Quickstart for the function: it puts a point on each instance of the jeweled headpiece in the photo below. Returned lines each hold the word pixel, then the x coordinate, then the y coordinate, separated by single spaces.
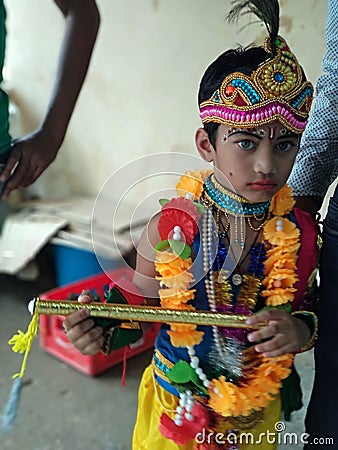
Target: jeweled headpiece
pixel 276 90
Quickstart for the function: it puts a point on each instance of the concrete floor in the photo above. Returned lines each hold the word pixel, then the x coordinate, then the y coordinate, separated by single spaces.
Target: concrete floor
pixel 60 408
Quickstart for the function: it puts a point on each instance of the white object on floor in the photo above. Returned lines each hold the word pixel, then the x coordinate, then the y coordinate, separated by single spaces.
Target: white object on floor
pixel 23 236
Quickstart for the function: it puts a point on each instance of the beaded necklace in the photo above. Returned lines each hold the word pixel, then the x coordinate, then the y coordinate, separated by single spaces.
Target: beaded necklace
pixel 230 297
pixel 229 202
pixel 221 199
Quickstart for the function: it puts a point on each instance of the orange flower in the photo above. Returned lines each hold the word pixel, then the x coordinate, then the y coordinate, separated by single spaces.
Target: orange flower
pixel 186 338
pixel 255 392
pixel 280 278
pixel 289 231
pixel 241 404
pixel 276 261
pixel 167 303
pixel 254 397
pixel 169 264
pixel 282 202
pixel 183 327
pixel 268 375
pixel 223 400
pixel 282 251
pixel 281 361
pixel 191 182
pixel 180 282
pixel 175 296
pixel 278 296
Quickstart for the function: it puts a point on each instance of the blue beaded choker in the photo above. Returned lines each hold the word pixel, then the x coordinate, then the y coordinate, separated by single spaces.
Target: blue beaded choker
pixel 232 203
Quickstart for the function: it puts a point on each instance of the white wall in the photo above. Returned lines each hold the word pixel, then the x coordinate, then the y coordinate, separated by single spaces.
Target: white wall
pixel 140 94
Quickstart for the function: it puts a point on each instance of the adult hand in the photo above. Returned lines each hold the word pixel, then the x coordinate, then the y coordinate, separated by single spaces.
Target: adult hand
pixel 33 153
pixel 81 330
pixel 30 156
pixel 284 333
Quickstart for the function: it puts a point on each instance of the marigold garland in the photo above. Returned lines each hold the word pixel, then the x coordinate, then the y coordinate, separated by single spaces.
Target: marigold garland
pixel 191 183
pixel 282 239
pixel 258 390
pixel 173 270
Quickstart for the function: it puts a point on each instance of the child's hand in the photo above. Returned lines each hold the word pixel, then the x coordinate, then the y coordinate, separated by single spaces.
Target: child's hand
pixel 285 333
pixel 81 330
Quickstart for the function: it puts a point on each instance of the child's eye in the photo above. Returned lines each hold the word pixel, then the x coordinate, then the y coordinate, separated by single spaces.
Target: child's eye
pixel 246 144
pixel 285 146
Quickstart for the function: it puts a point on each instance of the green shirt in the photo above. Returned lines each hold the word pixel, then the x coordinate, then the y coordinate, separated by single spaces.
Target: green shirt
pixel 5 138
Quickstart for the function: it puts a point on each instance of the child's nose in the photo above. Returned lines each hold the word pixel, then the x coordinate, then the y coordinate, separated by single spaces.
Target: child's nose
pixel 264 161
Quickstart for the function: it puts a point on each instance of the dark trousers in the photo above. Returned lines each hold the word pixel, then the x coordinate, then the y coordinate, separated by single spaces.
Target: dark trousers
pixel 322 415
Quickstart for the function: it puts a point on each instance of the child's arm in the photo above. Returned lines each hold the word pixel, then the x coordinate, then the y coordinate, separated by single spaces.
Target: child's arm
pixel 82 331
pixel 284 332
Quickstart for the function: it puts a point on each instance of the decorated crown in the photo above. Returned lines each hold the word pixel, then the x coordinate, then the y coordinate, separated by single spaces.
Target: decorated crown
pixel 276 90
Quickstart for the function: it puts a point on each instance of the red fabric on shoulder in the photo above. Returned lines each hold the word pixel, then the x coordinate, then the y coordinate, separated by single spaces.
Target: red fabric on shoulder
pixel 307 258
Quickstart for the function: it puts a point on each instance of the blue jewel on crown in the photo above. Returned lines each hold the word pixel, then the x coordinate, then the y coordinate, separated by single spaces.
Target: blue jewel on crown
pixel 217 97
pixel 279 77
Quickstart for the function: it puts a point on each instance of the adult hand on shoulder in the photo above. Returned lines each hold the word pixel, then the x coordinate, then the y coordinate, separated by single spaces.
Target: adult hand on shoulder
pixel 30 156
pixel 282 333
pixel 81 330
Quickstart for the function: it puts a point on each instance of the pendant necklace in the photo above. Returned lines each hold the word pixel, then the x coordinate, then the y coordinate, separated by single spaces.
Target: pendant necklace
pixel 236 277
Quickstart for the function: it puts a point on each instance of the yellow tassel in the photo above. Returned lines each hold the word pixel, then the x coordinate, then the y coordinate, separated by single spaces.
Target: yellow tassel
pixel 22 342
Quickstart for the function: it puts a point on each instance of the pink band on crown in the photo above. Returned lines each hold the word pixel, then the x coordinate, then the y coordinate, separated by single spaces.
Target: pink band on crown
pixel 256 116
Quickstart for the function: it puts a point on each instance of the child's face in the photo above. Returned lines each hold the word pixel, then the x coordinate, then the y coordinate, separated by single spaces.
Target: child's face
pixel 254 162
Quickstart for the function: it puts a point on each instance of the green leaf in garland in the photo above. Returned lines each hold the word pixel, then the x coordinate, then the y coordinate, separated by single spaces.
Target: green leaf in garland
pixel 180 248
pixel 200 208
pixel 183 374
pixel 163 245
pixel 163 201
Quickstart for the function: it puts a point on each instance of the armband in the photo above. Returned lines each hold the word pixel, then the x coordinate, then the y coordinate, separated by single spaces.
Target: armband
pixel 117 333
pixel 311 320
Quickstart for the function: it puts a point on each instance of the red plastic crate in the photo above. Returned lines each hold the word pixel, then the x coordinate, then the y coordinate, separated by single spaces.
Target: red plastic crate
pixel 54 341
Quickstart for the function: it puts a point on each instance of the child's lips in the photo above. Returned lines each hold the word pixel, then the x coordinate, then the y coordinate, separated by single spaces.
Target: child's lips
pixel 263 185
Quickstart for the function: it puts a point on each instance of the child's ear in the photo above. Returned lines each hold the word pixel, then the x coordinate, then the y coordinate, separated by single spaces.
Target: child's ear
pixel 204 146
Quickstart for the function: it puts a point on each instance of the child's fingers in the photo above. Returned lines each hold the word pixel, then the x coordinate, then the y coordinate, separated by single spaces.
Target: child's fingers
pixel 275 347
pixel 278 352
pixel 272 344
pixel 269 331
pixel 266 315
pixel 89 343
pixel 75 318
pixel 85 296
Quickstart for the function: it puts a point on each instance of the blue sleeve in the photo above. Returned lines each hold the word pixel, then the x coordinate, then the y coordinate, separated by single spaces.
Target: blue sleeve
pixel 316 164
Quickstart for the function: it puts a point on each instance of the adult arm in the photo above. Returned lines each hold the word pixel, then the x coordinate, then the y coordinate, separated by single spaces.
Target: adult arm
pixel 316 165
pixel 33 153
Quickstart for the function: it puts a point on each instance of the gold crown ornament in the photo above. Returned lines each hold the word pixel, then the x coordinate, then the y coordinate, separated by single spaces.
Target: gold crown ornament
pixel 276 90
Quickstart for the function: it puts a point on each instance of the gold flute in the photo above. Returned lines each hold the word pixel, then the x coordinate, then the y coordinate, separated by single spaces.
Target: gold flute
pixel 142 313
